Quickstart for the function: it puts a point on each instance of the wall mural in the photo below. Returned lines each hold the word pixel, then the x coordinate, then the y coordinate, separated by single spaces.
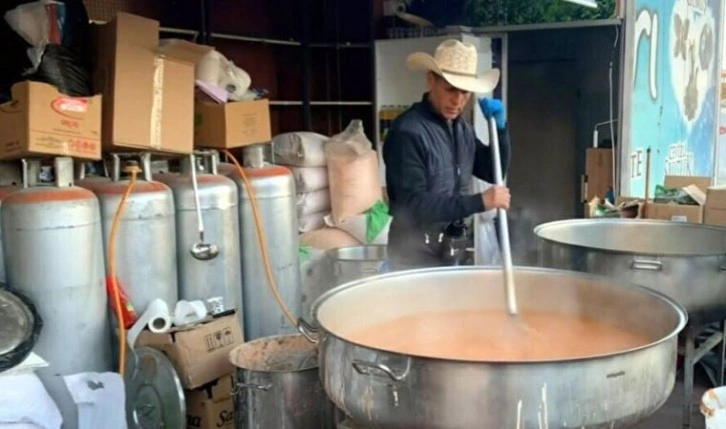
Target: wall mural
pixel 675 92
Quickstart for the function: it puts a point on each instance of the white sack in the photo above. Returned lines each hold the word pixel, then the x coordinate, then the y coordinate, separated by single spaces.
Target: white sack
pixel 215 69
pixel 301 149
pixel 313 202
pixel 308 179
pixel 312 221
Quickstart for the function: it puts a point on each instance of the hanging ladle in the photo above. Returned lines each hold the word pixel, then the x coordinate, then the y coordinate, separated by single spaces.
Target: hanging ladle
pixel 200 250
pixel 503 225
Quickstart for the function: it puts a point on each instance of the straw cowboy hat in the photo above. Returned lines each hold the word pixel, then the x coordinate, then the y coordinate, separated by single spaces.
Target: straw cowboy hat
pixel 456 62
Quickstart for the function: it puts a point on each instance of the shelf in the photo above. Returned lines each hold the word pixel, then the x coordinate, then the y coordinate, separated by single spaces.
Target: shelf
pixel 320 103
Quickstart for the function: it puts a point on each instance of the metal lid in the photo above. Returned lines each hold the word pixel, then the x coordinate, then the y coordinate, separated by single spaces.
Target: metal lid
pixel 154 394
pixel 16 322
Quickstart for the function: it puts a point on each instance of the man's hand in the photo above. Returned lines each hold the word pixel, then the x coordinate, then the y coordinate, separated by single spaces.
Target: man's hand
pixel 493 108
pixel 496 197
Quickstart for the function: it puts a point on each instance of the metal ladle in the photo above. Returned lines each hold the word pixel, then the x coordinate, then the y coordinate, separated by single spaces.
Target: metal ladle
pixel 200 250
pixel 503 225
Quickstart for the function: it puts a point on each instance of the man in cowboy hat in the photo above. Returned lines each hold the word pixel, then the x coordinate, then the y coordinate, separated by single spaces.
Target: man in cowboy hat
pixel 431 153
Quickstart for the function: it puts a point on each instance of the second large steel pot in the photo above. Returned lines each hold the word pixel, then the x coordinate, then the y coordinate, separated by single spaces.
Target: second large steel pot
pixel 684 261
pixel 383 389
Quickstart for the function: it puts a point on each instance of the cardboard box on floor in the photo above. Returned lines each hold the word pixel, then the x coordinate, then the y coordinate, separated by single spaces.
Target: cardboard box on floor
pixel 148 88
pixel 199 354
pixel 211 406
pixel 231 125
pixel 696 186
pixel 40 121
pixel 598 178
pixel 715 208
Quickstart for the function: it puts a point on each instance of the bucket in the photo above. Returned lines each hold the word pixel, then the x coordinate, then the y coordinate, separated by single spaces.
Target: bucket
pixel 712 408
pixel 357 262
pixel 277 385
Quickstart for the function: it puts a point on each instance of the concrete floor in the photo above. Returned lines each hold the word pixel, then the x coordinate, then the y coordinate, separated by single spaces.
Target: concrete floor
pixel 670 415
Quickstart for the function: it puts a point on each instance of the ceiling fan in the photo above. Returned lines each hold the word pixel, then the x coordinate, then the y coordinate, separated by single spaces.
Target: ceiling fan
pixel 586 3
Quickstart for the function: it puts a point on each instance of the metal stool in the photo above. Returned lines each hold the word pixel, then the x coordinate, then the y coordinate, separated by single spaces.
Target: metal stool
pixel 692 356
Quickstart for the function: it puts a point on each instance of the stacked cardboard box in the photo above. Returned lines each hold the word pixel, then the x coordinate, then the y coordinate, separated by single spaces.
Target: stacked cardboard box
pixel 145 102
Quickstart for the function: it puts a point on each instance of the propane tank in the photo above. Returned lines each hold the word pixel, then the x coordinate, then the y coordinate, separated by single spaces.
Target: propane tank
pixel 11 180
pixel 274 188
pixel 52 237
pixel 89 178
pixel 146 240
pixel 202 277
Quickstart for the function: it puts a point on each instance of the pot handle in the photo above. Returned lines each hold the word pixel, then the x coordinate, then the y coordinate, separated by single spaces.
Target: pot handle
pixel 646 265
pixel 367 368
pixel 308 331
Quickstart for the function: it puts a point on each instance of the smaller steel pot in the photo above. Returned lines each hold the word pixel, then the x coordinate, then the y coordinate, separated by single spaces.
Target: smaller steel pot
pixel 277 385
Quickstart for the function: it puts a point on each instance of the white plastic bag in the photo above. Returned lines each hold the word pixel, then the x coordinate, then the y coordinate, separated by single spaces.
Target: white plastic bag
pixel 486 243
pixel 300 149
pixel 308 179
pixel 313 202
pixel 24 399
pixel 352 172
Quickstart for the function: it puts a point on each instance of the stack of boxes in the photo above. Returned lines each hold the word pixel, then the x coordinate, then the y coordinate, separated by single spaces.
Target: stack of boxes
pixel 145 102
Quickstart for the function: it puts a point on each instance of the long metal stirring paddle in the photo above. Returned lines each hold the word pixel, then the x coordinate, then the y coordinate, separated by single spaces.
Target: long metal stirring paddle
pixel 503 224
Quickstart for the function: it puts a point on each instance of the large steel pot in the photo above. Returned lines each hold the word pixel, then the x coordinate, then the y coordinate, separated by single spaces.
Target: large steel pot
pixel 277 385
pixel 684 261
pixel 383 389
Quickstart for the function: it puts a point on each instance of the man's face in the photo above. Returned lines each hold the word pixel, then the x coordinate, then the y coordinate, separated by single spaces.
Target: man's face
pixel 447 100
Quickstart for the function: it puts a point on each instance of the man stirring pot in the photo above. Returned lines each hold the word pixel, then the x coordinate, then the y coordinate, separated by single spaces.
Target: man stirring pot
pixel 431 153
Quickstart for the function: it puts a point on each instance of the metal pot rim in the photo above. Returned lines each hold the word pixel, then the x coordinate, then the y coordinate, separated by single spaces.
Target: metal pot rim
pixel 334 253
pixel 541 227
pixel 680 310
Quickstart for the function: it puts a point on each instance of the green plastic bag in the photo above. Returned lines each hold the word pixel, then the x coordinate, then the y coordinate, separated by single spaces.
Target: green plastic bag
pixel 377 219
pixel 303 252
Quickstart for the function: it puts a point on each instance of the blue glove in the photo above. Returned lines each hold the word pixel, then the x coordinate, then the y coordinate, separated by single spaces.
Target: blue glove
pixel 491 107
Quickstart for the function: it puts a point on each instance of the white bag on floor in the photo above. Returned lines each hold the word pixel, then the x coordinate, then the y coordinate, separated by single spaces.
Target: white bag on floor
pixel 300 149
pixel 313 202
pixel 312 221
pixel 308 179
pixel 24 399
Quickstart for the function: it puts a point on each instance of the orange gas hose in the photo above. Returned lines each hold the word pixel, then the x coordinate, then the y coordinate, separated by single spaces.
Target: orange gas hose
pixel 262 241
pixel 111 261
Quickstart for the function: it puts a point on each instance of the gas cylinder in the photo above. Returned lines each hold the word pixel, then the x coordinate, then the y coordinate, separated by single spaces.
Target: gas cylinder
pixel 10 181
pixel 146 240
pixel 52 237
pixel 86 176
pixel 207 276
pixel 274 188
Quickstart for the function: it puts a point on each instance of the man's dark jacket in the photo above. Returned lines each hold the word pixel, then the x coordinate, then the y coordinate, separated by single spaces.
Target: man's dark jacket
pixel 429 166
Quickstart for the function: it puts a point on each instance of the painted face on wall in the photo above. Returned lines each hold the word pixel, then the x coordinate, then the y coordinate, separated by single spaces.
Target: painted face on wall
pixel 447 100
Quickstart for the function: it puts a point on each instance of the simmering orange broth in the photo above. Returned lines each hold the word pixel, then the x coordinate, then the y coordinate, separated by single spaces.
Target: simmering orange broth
pixel 494 336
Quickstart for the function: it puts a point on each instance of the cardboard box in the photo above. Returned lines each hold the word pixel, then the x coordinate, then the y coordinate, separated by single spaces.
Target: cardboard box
pixel 199 354
pixel 148 88
pixel 696 186
pixel 41 121
pixel 715 208
pixel 598 178
pixel 231 125
pixel 211 406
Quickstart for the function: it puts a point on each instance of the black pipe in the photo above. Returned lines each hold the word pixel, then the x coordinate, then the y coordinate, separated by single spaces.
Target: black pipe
pixel 306 65
pixel 205 24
